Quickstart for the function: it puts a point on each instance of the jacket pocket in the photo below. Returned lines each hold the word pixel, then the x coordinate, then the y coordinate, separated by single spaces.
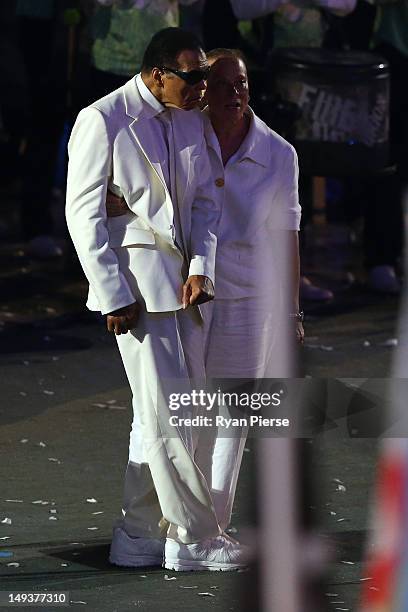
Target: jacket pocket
pixel 129 236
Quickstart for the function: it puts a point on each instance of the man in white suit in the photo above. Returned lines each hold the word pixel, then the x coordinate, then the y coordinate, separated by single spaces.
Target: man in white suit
pixel 147 271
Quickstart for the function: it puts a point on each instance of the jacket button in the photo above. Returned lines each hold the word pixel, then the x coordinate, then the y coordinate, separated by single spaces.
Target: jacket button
pixel 219 182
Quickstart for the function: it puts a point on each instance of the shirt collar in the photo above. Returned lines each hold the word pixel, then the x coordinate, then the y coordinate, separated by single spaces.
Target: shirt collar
pixel 154 107
pixel 253 147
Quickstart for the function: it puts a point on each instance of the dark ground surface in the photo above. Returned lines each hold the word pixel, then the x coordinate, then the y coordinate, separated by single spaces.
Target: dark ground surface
pixel 65 416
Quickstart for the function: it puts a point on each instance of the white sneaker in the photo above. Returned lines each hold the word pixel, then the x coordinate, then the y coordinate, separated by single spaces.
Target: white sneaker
pixel 214 554
pixel 135 552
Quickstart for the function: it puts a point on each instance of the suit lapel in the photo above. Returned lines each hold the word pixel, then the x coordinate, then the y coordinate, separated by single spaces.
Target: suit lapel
pixel 140 127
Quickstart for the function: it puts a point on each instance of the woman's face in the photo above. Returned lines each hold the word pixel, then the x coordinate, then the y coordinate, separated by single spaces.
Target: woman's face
pixel 227 92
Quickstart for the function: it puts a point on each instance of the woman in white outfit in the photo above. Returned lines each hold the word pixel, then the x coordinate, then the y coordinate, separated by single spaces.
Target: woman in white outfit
pixel 257 258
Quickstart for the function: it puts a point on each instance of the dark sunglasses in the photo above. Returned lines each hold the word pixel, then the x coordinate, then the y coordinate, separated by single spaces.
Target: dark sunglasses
pixel 191 78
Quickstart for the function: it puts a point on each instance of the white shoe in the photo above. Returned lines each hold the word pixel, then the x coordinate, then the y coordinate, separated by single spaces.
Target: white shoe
pixel 383 279
pixel 135 552
pixel 214 554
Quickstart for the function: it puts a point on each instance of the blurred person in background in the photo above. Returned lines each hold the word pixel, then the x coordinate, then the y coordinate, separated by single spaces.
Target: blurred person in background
pixel 121 30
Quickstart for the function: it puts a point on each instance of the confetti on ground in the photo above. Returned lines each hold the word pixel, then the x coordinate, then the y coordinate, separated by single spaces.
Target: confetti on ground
pixel 206 594
pixel 214 587
pixel 332 594
pixel 42 444
pixel 99 512
pixel 13 564
pixel 53 511
pixel 338 480
pixel 232 530
pixel 366 343
pixel 142 576
pixel 341 520
pixel 111 402
pixel 389 342
pixel 117 407
pixel 47 392
pixel 92 500
pixel 333 513
pixel 5 538
pixel 23 393
pixel 78 602
pixel 364 579
pixel 247 450
pixel 99 405
pixel 341 488
pixel 52 518
pixel 373 589
pixel 343 609
pixel 24 440
pixel 54 460
pixel 348 562
pixel 92 528
pixel 166 577
pixel 14 501
pixel 188 587
pixel 64 564
pixel 41 502
pixel 6 521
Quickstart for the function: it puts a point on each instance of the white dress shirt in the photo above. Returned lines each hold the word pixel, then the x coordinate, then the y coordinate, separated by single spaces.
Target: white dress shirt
pixel 258 193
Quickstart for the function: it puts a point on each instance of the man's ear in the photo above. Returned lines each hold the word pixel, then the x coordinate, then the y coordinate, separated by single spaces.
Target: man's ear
pixel 157 76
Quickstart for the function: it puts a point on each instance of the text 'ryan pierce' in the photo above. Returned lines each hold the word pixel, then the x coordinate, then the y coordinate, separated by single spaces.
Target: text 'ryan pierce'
pixel 253 420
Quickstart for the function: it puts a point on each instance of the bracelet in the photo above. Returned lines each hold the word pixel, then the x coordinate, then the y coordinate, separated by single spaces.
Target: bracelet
pixel 298 316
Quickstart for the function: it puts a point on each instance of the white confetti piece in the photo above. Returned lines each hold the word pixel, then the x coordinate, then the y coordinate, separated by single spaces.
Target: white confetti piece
pixel 166 577
pixel 389 342
pixel 247 450
pixel 99 405
pixel 331 594
pixel 366 343
pixel 41 502
pixel 111 402
pixel 338 480
pixel 52 518
pixel 6 521
pixel 53 511
pixel 14 501
pixel 187 587
pixel 47 392
pixel 78 602
pixel 64 564
pixel 54 460
pixel 206 594
pixel 99 512
pixel 5 538
pixel 92 500
pixel 42 444
pixel 142 576
pixel 92 528
pixel 341 520
pixel 232 530
pixel 117 407
pixel 343 609
pixel 348 562
pixel 364 579
pixel 373 589
pixel 23 393
pixel 24 440
pixel 333 513
pixel 341 488
pixel 13 564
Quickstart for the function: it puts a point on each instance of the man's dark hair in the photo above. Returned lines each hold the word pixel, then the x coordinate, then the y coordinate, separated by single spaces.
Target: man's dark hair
pixel 165 46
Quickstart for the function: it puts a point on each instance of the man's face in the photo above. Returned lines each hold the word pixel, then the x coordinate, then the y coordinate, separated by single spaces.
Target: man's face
pixel 227 90
pixel 178 93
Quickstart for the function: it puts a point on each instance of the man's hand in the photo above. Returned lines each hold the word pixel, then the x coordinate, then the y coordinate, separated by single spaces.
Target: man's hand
pixel 196 290
pixel 300 333
pixel 115 206
pixel 123 319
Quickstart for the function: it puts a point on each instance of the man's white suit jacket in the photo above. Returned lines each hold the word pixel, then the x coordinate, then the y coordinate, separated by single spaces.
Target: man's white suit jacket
pixel 111 144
